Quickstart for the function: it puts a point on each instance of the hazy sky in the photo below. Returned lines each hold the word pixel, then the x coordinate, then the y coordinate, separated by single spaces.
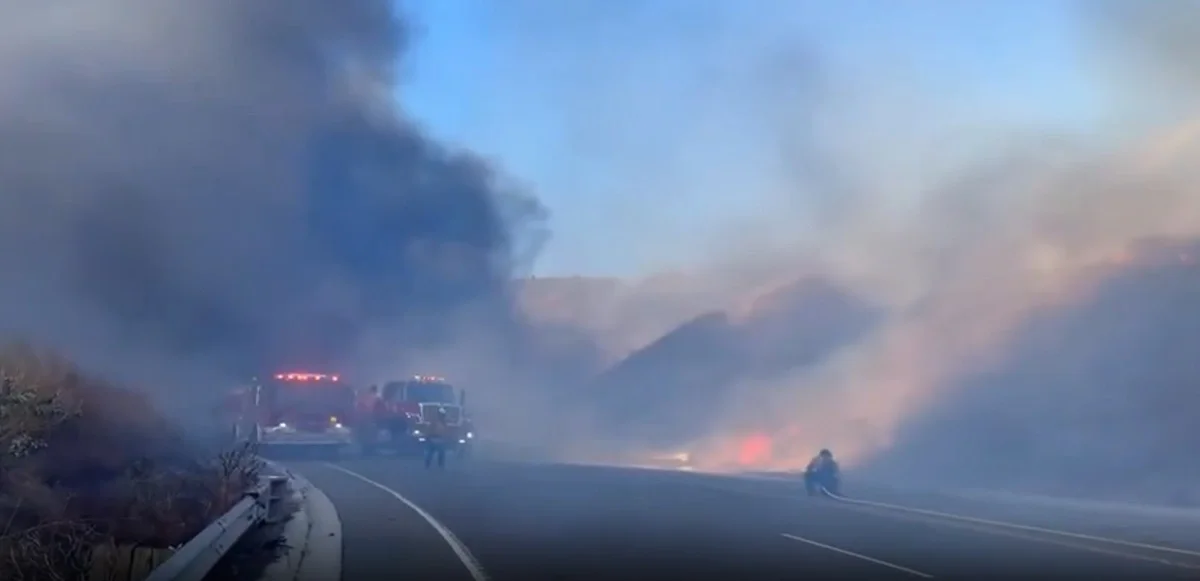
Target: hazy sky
pixel 648 127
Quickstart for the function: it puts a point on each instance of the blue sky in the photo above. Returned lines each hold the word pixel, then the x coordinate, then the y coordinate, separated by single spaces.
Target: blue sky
pixel 647 126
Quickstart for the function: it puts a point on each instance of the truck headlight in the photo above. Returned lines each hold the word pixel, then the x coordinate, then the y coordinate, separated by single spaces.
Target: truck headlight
pixel 470 435
pixel 416 432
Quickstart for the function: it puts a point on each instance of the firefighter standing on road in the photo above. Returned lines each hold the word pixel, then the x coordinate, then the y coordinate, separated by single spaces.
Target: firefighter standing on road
pixel 435 439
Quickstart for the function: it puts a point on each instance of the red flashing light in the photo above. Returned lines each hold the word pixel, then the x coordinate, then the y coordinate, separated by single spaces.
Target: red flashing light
pixel 306 377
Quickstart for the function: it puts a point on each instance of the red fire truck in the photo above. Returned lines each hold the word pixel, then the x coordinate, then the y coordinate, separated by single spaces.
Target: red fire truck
pixel 401 410
pixel 295 409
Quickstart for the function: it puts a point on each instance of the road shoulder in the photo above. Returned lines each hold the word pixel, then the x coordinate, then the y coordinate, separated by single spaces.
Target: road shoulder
pixel 312 535
pixel 382 537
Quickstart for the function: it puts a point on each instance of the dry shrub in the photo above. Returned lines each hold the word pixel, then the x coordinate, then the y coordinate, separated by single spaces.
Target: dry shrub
pixel 50 551
pixel 83 463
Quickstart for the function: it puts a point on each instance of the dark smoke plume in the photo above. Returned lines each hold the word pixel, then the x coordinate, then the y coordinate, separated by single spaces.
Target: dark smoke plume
pixel 229 185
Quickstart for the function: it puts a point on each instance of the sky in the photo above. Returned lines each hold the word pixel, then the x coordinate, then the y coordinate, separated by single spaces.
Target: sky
pixel 649 128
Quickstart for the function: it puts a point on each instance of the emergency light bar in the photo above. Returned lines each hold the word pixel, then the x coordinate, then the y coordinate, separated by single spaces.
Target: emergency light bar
pixel 306 377
pixel 429 378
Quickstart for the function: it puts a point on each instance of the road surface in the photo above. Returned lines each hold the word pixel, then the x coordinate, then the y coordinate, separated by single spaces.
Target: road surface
pixel 515 522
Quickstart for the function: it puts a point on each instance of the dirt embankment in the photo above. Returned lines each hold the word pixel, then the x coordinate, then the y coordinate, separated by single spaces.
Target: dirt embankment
pixel 86 464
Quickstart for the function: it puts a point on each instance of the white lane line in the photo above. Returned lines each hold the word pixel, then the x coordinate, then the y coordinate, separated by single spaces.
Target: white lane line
pixel 857 556
pixel 1012 530
pixel 1023 536
pixel 464 555
pixel 1014 526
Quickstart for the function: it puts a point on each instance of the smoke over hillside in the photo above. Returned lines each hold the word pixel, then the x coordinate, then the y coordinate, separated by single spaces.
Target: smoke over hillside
pixel 194 191
pixel 678 389
pixel 1095 397
pixel 622 315
pixel 1083 387
pixel 1003 224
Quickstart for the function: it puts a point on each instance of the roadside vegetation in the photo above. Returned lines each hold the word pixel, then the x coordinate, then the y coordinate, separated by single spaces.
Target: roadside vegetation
pixel 88 468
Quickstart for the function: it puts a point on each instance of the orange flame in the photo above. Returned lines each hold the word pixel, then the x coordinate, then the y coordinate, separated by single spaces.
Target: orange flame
pixel 755 449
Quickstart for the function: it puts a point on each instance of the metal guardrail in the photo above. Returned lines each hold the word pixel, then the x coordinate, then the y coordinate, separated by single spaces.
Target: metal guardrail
pixel 196 559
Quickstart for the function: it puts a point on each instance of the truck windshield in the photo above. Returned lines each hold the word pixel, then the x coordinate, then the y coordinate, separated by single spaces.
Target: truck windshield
pixel 314 397
pixel 429 393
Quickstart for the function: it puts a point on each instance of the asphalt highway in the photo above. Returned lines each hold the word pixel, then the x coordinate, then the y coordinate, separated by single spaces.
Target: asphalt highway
pixel 512 521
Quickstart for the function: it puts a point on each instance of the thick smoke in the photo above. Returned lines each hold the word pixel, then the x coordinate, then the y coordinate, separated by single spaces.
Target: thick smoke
pixel 1095 395
pixel 211 189
pixel 966 233
pixel 1006 240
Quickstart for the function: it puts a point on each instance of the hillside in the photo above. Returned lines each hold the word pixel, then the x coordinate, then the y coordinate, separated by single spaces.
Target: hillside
pixel 619 315
pixel 1098 398
pixel 673 389
pixel 84 463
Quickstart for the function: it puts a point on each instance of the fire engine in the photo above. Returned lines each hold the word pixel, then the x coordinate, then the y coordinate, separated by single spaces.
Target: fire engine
pixel 295 409
pixel 401 410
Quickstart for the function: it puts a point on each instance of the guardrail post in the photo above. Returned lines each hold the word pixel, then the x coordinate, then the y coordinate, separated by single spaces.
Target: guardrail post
pixel 196 558
pixel 277 488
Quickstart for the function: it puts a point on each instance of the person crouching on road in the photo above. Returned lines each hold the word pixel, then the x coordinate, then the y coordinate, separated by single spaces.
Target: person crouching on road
pixel 821 473
pixel 435 440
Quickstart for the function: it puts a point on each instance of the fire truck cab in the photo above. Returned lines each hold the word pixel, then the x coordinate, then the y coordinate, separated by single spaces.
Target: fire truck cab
pixel 403 409
pixel 296 410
